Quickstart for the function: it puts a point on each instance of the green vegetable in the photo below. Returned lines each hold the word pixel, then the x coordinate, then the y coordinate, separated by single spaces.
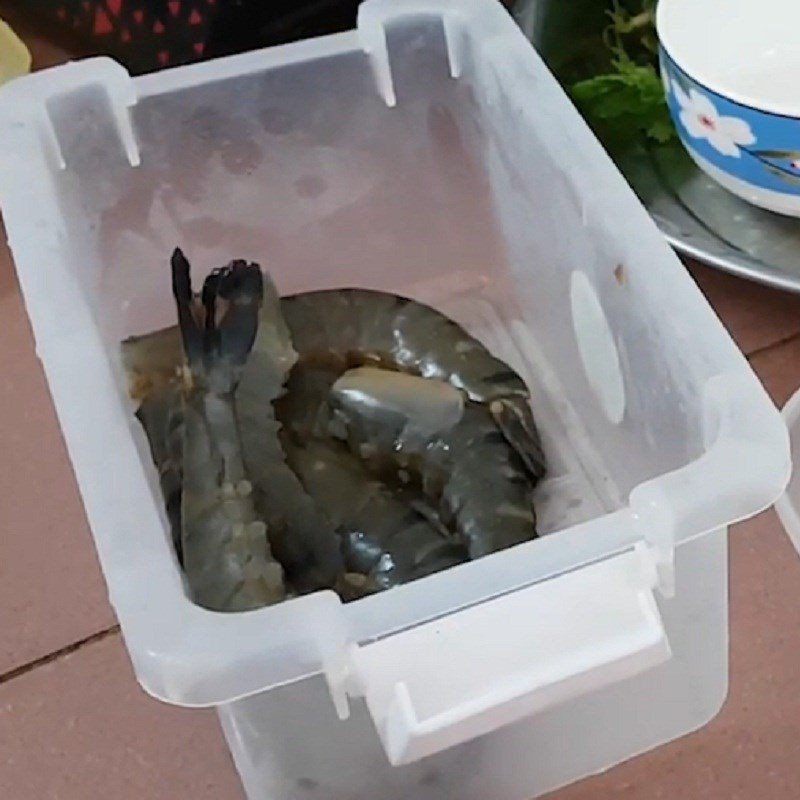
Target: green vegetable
pixel 627 103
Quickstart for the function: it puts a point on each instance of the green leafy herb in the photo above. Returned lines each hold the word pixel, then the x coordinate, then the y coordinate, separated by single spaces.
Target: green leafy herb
pixel 627 102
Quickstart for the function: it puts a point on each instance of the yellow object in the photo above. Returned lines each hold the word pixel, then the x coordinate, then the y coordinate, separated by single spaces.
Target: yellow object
pixel 15 59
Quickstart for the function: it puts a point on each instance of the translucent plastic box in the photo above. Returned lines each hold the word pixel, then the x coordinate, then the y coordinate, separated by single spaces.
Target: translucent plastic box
pixel 428 153
pixel 788 505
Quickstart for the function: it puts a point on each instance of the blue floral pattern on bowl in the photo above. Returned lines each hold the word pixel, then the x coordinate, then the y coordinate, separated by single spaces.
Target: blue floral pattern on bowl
pixel 758 147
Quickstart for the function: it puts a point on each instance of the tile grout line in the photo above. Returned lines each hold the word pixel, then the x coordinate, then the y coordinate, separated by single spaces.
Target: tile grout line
pixel 57 654
pixel 766 348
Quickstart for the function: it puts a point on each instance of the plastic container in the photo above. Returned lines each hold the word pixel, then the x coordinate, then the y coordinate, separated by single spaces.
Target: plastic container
pixel 788 505
pixel 430 153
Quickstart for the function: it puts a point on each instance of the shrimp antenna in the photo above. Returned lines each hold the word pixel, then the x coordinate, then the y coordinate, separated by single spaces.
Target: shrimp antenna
pixel 191 333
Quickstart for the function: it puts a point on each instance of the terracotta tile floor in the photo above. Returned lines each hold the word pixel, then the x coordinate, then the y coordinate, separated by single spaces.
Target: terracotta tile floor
pixel 74 724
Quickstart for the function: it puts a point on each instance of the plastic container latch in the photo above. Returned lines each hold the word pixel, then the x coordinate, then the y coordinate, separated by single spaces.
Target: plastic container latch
pixel 473 671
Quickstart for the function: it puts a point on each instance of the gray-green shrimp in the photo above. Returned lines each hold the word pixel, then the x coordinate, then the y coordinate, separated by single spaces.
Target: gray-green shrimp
pixel 226 554
pixel 363 327
pixel 299 536
pixel 426 432
pixel 302 539
pixel 348 439
pixel 389 534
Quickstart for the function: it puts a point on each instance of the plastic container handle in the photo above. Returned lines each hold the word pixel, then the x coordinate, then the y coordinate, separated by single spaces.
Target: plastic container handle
pixel 467 674
pixel 744 469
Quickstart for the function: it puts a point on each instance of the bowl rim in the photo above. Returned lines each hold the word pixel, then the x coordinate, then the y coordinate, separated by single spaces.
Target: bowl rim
pixel 730 96
pixel 786 110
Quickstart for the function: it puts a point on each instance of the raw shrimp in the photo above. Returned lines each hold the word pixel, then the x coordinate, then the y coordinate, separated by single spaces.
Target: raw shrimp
pixel 161 415
pixel 226 554
pixel 457 486
pixel 362 327
pixel 300 537
pixel 388 535
pixel 385 537
pixel 414 427
pixel 152 364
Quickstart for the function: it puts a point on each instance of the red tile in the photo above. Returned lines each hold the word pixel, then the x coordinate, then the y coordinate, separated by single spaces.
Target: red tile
pixel 51 590
pixel 755 315
pixel 752 749
pixel 779 369
pixel 81 728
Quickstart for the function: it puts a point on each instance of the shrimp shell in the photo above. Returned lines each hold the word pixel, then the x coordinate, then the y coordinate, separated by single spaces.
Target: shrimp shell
pixel 387 534
pixel 300 536
pixel 384 536
pixel 364 327
pixel 480 486
pixel 161 415
pixel 322 514
pixel 226 555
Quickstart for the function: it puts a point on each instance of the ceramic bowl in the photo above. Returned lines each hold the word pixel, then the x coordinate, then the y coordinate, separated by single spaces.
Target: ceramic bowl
pixel 730 70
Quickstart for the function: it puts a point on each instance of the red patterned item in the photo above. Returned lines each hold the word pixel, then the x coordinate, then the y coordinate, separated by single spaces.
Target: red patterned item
pixel 146 35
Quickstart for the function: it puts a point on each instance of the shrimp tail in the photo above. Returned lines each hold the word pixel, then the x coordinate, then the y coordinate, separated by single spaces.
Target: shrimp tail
pixel 188 311
pixel 226 554
pixel 219 326
pixel 515 419
pixel 239 286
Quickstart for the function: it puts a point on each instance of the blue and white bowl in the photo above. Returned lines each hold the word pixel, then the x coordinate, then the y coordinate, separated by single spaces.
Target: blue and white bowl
pixel 731 72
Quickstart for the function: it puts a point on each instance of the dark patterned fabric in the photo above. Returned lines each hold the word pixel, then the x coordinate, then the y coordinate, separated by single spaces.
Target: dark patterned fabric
pixel 145 35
